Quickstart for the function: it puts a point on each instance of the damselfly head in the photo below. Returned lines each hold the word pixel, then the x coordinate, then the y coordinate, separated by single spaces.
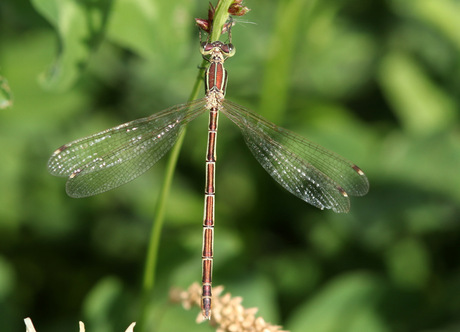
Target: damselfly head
pixel 208 49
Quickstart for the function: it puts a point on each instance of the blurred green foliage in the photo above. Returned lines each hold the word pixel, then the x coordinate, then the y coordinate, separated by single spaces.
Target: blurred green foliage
pixel 375 81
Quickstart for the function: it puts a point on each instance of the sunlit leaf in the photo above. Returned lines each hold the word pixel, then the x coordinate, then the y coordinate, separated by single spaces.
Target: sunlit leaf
pixel 341 306
pixel 6 97
pixel 152 29
pixel 442 14
pixel 421 106
pixel 80 26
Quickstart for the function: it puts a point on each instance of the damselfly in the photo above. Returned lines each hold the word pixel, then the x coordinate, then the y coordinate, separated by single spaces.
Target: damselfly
pixel 113 157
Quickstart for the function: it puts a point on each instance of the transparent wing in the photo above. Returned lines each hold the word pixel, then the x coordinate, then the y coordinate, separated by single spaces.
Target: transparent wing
pixel 307 170
pixel 115 156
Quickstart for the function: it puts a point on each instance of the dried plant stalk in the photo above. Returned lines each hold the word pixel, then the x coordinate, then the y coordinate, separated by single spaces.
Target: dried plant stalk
pixel 227 312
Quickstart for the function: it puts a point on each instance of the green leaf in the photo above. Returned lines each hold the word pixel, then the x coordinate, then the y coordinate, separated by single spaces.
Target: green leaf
pixel 157 30
pixel 80 26
pixel 346 304
pixel 280 56
pixel 257 292
pixel 153 29
pixel 6 97
pixel 7 279
pixel 100 302
pixel 408 263
pixel 422 107
pixel 442 14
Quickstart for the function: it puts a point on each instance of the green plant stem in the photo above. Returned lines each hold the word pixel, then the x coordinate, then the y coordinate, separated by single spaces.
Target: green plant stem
pixel 220 17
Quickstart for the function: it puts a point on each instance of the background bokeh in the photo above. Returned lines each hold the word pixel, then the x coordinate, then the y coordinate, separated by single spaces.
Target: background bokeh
pixel 375 81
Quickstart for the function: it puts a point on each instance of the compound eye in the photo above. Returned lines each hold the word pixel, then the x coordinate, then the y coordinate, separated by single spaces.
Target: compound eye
pixel 229 49
pixel 206 48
